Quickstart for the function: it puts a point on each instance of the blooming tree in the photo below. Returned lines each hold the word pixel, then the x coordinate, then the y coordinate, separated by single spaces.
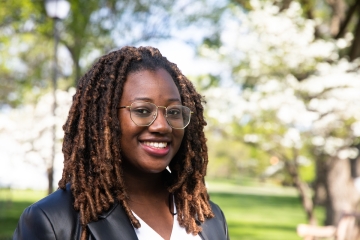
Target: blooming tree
pixel 27 141
pixel 293 97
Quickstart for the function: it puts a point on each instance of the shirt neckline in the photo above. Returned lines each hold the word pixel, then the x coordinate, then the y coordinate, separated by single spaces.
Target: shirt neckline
pixel 148 231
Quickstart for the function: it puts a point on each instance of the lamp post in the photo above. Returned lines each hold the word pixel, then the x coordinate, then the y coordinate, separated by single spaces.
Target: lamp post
pixel 57 10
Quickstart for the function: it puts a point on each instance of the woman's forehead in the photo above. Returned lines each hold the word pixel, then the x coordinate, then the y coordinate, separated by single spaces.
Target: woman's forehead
pixel 150 85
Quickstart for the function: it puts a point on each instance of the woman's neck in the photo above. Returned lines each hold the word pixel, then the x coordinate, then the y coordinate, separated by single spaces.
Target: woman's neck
pixel 144 184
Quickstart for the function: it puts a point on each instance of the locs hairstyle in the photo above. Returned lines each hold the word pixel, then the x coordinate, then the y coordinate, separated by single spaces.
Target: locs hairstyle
pixel 92 147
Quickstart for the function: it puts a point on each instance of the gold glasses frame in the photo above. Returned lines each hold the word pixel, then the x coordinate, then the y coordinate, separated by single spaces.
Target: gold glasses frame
pixel 156 114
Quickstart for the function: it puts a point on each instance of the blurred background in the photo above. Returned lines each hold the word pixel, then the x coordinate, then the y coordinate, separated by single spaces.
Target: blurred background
pixel 281 80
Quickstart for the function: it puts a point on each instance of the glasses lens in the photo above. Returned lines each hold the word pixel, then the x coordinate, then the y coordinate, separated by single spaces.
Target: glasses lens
pixel 142 113
pixel 178 116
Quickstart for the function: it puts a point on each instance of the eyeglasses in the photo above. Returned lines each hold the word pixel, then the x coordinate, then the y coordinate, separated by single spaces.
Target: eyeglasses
pixel 145 113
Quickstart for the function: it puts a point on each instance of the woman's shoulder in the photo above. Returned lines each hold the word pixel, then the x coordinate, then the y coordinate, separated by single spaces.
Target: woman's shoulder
pixel 216 227
pixel 59 204
pixel 49 217
pixel 216 209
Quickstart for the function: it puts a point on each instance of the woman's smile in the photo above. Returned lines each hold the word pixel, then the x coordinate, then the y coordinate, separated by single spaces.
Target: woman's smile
pixel 157 149
pixel 156 144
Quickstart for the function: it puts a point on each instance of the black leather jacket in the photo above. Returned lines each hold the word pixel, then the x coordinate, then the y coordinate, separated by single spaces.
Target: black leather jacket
pixel 55 218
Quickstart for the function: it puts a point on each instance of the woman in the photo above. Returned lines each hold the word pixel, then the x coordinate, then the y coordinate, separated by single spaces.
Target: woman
pixel 135 158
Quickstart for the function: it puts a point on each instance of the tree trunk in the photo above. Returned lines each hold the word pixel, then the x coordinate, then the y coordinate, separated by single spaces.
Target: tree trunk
pixel 349 15
pixel 355 46
pixel 77 71
pixel 304 191
pixel 50 174
pixel 342 196
pixel 338 10
pixel 320 194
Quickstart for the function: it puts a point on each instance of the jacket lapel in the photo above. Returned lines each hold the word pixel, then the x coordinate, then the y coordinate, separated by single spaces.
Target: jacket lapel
pixel 112 225
pixel 115 225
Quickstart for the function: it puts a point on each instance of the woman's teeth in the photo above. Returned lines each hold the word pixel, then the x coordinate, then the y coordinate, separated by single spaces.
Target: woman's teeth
pixel 156 144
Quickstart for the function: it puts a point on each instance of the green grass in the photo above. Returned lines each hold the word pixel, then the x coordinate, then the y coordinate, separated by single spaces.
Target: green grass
pixel 12 204
pixel 252 212
pixel 260 217
pixel 259 213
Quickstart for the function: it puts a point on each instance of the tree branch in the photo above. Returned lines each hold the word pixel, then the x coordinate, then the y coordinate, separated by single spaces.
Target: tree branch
pixel 355 46
pixel 345 23
pixel 338 14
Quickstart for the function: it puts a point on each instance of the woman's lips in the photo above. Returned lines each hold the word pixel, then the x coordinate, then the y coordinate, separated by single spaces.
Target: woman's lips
pixel 156 149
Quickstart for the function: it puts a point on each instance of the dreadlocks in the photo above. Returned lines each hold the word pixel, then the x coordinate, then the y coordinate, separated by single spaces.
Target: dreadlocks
pixel 92 148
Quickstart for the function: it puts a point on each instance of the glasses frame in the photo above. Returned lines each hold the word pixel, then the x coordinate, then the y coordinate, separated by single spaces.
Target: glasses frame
pixel 156 114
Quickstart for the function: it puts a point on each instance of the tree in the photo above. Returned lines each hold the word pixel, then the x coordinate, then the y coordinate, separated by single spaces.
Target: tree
pixel 92 28
pixel 23 60
pixel 333 19
pixel 295 98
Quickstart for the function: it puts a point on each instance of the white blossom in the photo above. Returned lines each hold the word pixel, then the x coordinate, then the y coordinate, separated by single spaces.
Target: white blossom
pixel 348 153
pixel 273 47
pixel 26 141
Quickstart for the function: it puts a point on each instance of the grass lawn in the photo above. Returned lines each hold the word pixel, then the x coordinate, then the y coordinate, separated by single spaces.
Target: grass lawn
pixel 12 204
pixel 259 213
pixel 252 213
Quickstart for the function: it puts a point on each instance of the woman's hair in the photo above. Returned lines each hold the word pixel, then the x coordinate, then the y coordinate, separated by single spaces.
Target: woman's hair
pixel 92 150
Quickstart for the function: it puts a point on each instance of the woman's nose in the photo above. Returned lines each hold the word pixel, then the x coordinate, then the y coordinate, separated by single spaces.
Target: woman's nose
pixel 160 123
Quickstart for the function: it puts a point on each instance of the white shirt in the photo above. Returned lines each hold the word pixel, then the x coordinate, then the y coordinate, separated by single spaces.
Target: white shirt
pixel 145 232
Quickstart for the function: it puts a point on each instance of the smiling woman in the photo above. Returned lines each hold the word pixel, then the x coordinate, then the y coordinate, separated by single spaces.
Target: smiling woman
pixel 134 116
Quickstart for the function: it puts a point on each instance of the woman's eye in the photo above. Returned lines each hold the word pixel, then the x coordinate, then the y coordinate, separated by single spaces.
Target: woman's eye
pixel 141 111
pixel 174 112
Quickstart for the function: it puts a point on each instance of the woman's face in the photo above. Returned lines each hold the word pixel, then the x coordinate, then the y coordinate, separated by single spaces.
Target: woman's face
pixel 149 149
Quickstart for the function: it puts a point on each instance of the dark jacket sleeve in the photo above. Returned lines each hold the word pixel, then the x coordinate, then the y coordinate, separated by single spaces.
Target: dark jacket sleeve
pixel 220 215
pixel 225 225
pixel 53 217
pixel 216 227
pixel 34 225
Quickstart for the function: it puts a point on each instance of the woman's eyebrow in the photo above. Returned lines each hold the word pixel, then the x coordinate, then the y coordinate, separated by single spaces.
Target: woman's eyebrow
pixel 142 99
pixel 174 100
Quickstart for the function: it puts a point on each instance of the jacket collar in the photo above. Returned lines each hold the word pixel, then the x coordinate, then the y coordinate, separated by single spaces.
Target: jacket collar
pixel 114 224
